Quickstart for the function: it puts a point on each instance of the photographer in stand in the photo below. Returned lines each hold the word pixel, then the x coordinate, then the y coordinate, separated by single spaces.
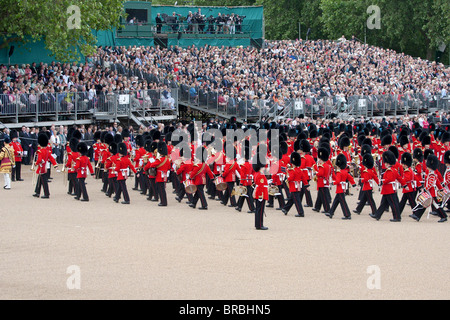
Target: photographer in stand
pixel 211 21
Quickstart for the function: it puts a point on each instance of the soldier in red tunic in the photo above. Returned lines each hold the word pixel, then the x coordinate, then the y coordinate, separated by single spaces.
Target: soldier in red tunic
pixel 83 164
pixel 297 180
pixel 389 188
pixel 433 183
pixel 410 178
pixel 123 164
pixel 341 180
pixel 162 165
pixel 110 166
pixel 198 174
pixel 41 166
pixel 323 173
pixel 246 173
pixel 261 192
pixel 369 178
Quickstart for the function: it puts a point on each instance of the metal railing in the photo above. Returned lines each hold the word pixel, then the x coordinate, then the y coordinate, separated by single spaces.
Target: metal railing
pixel 185 27
pixel 314 107
pixel 73 105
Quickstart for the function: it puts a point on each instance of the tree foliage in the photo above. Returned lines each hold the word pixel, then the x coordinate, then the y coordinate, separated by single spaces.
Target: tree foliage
pixel 33 20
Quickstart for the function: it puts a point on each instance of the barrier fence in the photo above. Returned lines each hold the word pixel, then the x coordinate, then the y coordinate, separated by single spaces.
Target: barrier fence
pixel 76 104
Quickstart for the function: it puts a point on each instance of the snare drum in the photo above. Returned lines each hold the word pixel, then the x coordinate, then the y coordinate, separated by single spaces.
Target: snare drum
pixel 443 195
pixel 220 184
pixel 424 199
pixel 190 187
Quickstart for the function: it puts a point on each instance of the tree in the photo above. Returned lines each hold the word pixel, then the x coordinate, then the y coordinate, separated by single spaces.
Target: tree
pixel 51 21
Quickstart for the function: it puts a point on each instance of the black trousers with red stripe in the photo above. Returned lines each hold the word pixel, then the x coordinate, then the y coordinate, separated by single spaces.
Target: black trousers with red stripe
pixel 182 192
pixel 367 197
pixel 307 193
pixel 200 195
pixel 249 197
pixel 421 210
pixel 280 197
pixel 153 192
pixel 259 213
pixel 122 188
pixel 112 186
pixel 82 188
pixel 161 188
pixel 295 198
pixel 323 198
pixel 389 200
pixel 408 197
pixel 227 195
pixel 339 199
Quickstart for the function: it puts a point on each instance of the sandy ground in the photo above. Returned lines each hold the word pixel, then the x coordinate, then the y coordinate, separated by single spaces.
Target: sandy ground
pixel 142 251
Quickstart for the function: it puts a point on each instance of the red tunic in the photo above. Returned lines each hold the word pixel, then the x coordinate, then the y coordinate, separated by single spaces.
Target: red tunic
pixel 81 167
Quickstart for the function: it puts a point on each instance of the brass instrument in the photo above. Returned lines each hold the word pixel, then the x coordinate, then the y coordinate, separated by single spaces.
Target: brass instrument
pixel 33 167
pixel 64 169
pixel 239 191
pixel 273 190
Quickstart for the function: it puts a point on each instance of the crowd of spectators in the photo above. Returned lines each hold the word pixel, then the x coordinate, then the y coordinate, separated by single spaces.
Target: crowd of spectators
pixel 307 70
pixel 282 70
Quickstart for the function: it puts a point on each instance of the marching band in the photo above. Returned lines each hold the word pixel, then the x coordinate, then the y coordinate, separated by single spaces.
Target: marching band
pixel 338 158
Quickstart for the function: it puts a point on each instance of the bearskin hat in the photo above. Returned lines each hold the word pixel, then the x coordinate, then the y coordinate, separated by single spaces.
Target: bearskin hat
pixel 367 141
pixel 82 148
pixel 368 161
pixel 122 148
pixel 389 157
pixel 109 138
pixel 292 133
pixel 418 154
pixel 13 134
pixel 386 140
pixel 118 138
pixel 125 133
pixel 77 134
pixel 296 159
pixel 427 153
pixel 366 149
pixel 361 139
pixel 394 150
pixel 305 146
pixel 426 141
pixel 139 140
pixel 344 142
pixel 148 145
pixel 73 144
pixel 313 134
pixel 403 140
pixel 43 140
pixel 162 148
pixel 323 154
pixel 113 148
pixel 156 135
pixel 302 135
pixel 407 159
pixel 447 157
pixel 432 162
pixel 341 161
pixel 97 135
pixel 445 137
